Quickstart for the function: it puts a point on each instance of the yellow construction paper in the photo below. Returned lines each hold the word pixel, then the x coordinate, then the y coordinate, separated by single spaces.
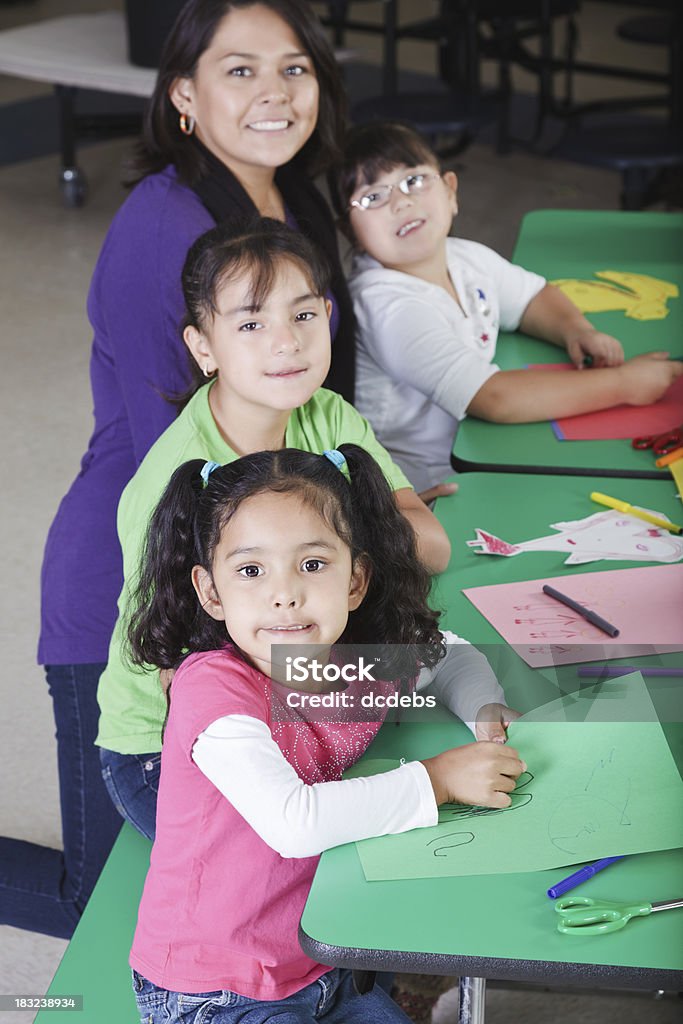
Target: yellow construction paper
pixel 640 296
pixel 676 469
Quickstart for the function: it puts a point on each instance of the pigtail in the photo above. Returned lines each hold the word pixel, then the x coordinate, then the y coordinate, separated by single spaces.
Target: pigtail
pixel 166 618
pixel 167 621
pixel 395 610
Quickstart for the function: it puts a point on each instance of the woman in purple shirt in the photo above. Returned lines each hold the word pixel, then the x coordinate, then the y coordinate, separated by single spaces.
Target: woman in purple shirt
pixel 247 107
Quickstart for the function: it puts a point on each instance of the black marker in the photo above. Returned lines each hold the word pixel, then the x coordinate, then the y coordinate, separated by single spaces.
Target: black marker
pixel 586 613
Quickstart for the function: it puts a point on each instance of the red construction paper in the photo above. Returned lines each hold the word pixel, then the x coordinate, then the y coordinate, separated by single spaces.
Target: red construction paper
pixel 622 422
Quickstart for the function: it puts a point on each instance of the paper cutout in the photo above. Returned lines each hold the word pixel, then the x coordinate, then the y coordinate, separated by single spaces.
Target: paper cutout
pixel 640 296
pixel 583 797
pixel 621 422
pixel 607 535
pixel 643 603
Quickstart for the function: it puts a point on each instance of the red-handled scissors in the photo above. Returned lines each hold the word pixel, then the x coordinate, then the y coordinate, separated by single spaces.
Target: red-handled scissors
pixel 661 444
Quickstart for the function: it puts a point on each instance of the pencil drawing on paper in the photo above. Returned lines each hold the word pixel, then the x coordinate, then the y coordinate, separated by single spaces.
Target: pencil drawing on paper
pixel 600 805
pixel 458 812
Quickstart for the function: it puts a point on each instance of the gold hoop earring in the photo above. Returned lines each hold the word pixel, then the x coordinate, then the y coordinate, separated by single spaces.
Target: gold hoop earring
pixel 186 123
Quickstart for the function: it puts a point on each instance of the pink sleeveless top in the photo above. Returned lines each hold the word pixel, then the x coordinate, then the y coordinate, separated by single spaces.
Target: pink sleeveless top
pixel 220 908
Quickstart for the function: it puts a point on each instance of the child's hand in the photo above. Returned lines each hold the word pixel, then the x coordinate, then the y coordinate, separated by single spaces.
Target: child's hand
pixel 480 773
pixel 438 491
pixel 493 721
pixel 603 349
pixel 647 377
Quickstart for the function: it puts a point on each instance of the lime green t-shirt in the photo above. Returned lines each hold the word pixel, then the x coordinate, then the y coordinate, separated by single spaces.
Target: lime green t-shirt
pixel 132 704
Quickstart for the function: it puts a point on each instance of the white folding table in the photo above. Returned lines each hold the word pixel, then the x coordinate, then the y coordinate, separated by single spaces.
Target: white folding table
pixel 80 51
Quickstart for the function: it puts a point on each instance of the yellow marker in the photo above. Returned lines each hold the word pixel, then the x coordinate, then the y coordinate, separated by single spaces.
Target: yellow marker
pixel 623 506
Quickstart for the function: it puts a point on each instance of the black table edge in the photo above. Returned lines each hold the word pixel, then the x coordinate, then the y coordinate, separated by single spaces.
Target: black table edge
pixel 536 971
pixel 463 466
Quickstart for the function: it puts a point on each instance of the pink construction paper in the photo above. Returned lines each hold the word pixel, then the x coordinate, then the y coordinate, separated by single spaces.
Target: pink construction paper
pixel 644 603
pixel 622 422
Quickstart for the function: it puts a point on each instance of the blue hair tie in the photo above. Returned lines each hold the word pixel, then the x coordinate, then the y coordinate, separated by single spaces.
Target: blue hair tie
pixel 207 469
pixel 336 458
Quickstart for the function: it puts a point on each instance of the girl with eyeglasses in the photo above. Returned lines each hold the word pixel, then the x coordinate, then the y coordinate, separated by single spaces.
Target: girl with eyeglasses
pixel 429 308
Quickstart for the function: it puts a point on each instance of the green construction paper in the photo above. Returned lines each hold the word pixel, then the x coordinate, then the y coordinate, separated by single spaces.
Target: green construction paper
pixel 372 766
pixel 593 789
pixel 622 699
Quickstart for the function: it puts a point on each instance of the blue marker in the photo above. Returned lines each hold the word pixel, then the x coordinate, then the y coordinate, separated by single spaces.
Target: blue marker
pixel 582 875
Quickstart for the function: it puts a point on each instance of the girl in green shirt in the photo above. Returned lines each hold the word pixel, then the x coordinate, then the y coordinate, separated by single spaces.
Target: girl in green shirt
pixel 257 326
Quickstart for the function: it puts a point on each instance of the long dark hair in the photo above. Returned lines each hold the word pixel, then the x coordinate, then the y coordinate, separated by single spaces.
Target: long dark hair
pixel 255 247
pixel 168 622
pixel 163 143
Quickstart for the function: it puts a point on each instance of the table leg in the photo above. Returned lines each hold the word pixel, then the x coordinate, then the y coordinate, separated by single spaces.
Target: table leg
pixel 389 58
pixel 472 1004
pixel 71 178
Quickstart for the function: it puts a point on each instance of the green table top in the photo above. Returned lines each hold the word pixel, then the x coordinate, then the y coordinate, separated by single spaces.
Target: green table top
pixel 433 924
pixel 568 244
pixel 95 964
pixel 517 507
pixel 500 926
pixel 503 925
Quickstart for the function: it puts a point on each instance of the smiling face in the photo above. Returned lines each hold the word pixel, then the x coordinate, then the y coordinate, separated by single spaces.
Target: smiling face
pixel 409 232
pixel 254 96
pixel 273 357
pixel 281 575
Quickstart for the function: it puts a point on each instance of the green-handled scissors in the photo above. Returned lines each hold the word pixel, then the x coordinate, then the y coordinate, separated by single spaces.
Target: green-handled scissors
pixel 581 915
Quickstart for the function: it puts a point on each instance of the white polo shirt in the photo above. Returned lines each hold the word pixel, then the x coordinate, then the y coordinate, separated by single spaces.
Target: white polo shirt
pixel 421 358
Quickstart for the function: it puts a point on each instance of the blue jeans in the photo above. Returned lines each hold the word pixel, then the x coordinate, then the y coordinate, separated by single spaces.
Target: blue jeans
pixel 45 890
pixel 132 781
pixel 331 999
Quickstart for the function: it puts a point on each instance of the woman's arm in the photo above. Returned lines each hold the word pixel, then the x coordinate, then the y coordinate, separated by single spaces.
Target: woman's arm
pixel 136 303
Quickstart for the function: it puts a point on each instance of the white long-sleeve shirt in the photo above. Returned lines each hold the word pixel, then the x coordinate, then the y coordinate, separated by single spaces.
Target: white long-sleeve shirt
pixel 239 756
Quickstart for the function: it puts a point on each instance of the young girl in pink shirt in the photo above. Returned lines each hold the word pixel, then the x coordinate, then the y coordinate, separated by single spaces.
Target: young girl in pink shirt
pixel 249 569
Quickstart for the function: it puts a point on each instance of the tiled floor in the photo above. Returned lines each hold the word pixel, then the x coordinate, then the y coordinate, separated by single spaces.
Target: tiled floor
pixel 47 253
